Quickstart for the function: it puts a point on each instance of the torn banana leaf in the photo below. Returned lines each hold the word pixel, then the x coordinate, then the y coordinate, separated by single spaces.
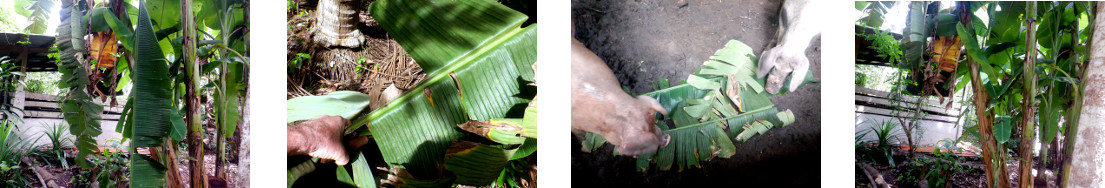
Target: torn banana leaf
pixel 592 142
pixel 758 127
pixel 703 108
pixel 505 131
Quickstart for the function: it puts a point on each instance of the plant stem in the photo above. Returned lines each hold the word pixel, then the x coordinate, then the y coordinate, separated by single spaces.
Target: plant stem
pixel 1028 103
pixel 193 103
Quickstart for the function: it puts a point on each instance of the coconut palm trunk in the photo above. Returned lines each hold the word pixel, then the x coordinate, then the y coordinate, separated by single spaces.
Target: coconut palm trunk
pixel 336 23
pixel 1088 160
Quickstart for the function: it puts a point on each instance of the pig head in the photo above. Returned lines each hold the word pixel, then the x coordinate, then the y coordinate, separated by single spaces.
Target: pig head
pixel 600 106
pixel 798 23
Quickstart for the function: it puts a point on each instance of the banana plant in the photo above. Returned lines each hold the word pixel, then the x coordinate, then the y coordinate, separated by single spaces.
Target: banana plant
pixel 479 59
pixel 152 53
pixel 723 94
pixel 37 13
pixel 77 107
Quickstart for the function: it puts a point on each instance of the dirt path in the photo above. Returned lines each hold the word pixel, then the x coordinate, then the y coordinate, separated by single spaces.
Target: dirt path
pixel 643 41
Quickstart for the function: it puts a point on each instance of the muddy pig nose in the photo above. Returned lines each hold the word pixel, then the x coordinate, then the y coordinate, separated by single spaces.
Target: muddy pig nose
pixel 664 138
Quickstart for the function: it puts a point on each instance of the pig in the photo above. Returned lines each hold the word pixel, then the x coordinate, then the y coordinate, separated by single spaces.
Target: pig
pixel 320 137
pixel 600 106
pixel 798 23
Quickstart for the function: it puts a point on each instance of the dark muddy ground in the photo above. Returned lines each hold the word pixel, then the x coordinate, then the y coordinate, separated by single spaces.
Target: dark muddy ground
pixel 643 41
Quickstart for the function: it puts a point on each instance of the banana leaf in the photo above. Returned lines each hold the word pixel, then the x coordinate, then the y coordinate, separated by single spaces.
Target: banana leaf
pixel 479 61
pixel 77 108
pixel 152 91
pixel 474 163
pixel 701 112
pixel 346 104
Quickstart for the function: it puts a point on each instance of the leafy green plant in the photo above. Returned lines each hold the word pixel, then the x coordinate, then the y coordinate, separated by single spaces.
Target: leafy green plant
pixel 298 62
pixel 9 82
pixel 886 132
pixel 13 148
pixel 937 170
pixel 360 66
pixel 511 174
pixel 885 44
pixel 42 82
pixel 58 138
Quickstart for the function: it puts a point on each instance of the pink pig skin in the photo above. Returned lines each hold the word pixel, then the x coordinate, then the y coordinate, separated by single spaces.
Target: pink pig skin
pixel 600 106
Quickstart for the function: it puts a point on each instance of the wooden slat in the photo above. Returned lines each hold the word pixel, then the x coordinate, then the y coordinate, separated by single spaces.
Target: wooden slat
pixel 910 99
pixel 42 104
pixel 908 105
pixel 39 96
pixel 45 97
pixel 43 114
pixel 891 113
pixel 54 105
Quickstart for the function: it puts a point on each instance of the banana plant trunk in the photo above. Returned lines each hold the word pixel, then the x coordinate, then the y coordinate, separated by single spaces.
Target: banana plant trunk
pixel 193 118
pixel 1075 109
pixel 992 154
pixel 1027 114
pixel 1088 160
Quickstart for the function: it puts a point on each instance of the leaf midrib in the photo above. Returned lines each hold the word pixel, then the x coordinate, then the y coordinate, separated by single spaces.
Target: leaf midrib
pixel 463 61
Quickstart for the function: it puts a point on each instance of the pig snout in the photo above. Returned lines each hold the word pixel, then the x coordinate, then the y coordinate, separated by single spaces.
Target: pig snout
pixel 643 136
pixel 600 106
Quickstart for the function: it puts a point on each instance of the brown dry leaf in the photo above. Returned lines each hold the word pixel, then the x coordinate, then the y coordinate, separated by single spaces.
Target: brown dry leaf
pixel 733 92
pixel 946 50
pixel 104 46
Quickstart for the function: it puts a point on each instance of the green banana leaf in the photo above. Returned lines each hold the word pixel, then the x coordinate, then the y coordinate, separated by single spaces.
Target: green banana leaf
pixel 77 108
pixel 362 173
pixel 701 112
pixel 474 163
pixel 152 91
pixel 478 70
pixel 346 104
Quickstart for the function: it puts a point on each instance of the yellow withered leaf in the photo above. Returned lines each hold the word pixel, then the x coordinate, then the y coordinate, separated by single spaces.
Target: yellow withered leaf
pixel 103 48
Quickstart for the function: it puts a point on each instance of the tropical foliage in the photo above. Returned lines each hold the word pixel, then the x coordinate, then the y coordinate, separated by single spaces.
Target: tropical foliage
pixel 1022 64
pixel 153 45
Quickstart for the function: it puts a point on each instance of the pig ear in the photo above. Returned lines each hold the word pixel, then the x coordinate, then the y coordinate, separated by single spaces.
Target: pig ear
pixel 799 73
pixel 767 61
pixel 652 103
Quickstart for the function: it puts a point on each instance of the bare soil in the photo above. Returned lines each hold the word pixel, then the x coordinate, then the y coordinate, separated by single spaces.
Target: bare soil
pixel 645 40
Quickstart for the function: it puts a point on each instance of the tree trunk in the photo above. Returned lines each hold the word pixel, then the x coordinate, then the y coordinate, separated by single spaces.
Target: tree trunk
pixel 243 148
pixel 1027 106
pixel 194 116
pixel 1088 162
